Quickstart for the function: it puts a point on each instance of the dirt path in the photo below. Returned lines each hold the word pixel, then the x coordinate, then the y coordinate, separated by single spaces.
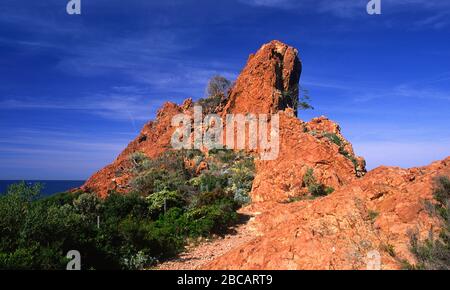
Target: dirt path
pixel 197 256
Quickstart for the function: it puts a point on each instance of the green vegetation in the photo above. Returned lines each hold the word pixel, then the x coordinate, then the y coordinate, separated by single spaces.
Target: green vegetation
pixel 338 141
pixel 348 156
pixel 209 104
pixel 304 100
pixel 218 85
pixel 373 215
pixel 316 189
pixel 389 249
pixel 293 199
pixel 434 252
pixel 169 204
pixel 217 91
pixel 333 138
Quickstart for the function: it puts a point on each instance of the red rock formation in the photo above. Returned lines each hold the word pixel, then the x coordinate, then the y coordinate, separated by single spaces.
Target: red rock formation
pixel 337 232
pixel 300 150
pixel 268 84
pixel 323 128
pixel 334 232
pixel 153 140
pixel 269 81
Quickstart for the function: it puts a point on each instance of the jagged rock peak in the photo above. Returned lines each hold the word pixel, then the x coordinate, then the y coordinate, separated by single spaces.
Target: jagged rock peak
pixel 269 81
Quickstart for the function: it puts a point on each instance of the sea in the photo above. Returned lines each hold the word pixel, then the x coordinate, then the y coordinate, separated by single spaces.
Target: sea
pixel 50 187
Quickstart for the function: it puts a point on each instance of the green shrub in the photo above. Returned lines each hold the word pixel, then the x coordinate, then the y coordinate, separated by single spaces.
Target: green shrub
pixel 434 252
pixel 60 198
pixel 210 182
pixel 308 178
pixel 319 190
pixel 167 172
pixel 139 161
pixel 315 189
pixel 138 261
pixel 34 257
pixel 218 86
pixel 14 206
pixel 210 104
pixel 348 156
pixel 333 138
pixel 241 196
pixel 442 196
pixel 204 198
pixel 373 215
pixel 217 92
pixel 158 200
pixel 134 230
pixel 213 218
pixel 389 249
pixel 119 206
pixel 224 155
pixel 87 205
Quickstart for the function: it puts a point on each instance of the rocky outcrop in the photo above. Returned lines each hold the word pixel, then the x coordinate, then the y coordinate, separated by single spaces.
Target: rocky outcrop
pixel 374 213
pixel 301 150
pixel 324 128
pixel 153 140
pixel 268 83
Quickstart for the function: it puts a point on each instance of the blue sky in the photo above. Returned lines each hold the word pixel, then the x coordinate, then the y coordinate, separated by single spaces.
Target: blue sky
pixel 74 90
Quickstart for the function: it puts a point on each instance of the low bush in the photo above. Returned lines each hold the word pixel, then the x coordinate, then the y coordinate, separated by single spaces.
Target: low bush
pixel 434 252
pixel 373 215
pixel 158 201
pixel 348 156
pixel 319 190
pixel 315 189
pixel 169 204
pixel 333 138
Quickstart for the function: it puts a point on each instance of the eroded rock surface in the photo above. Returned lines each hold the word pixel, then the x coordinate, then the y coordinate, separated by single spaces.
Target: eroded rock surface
pixel 374 213
pixel 269 81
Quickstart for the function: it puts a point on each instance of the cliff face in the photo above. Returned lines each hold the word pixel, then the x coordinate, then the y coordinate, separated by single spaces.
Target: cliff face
pixel 333 232
pixel 269 81
pixel 269 84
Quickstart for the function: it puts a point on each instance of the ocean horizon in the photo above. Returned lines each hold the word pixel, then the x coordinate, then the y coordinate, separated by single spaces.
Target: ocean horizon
pixel 50 187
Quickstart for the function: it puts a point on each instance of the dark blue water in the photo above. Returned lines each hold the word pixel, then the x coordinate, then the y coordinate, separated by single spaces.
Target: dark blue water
pixel 50 187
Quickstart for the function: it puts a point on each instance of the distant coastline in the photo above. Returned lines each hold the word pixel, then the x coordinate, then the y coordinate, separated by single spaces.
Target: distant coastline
pixel 50 187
